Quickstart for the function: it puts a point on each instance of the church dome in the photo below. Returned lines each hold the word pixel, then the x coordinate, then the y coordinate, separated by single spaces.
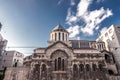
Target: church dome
pixel 59 28
pixel 59 34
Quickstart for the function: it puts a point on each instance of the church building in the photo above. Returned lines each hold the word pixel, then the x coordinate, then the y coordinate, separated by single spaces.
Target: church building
pixel 65 59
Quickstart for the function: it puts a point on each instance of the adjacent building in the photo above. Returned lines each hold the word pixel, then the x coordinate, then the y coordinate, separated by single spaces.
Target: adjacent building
pixel 13 59
pixel 65 59
pixel 3 44
pixel 111 37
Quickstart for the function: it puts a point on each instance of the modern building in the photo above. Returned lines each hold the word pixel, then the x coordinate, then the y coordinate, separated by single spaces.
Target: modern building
pixel 12 59
pixel 3 44
pixel 111 37
pixel 65 59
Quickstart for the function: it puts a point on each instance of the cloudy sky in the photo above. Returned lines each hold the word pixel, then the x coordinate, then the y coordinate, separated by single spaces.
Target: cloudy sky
pixel 27 23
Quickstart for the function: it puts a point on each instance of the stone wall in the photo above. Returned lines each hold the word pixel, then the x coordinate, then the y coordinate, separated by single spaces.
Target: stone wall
pixel 18 73
pixel 114 78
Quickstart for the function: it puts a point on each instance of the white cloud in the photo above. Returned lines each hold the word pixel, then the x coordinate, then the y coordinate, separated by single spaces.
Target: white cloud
pixel 72 3
pixel 70 17
pixel 99 1
pixel 103 30
pixel 74 31
pixel 82 7
pixel 97 28
pixel 91 19
pixel 78 38
pixel 59 2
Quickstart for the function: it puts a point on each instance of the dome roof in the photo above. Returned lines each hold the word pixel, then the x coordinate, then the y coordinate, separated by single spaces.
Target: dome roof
pixel 59 28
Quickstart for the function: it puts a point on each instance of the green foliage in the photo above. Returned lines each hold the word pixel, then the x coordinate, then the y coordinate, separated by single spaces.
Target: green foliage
pixel 1 76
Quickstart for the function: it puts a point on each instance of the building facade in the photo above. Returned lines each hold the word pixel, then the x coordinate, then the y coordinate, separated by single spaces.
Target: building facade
pixel 111 37
pixel 12 59
pixel 66 59
pixel 3 44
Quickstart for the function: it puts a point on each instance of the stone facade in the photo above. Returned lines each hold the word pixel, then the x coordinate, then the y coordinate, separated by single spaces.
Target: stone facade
pixel 67 59
pixel 18 73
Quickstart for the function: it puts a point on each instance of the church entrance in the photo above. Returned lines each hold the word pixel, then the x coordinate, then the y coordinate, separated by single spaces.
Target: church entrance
pixel 60 64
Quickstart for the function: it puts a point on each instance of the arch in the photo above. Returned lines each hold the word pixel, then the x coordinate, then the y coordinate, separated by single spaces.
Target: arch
pixel 63 64
pixel 100 47
pixel 75 71
pixel 52 36
pixel 55 36
pixel 36 71
pixel 94 67
pixel 37 67
pixel 66 37
pixel 100 67
pixel 75 67
pixel 110 72
pixel 87 67
pixel 44 68
pixel 59 36
pixel 59 63
pixel 107 58
pixel 16 64
pixel 81 67
pixel 55 64
pixel 43 72
pixel 59 53
pixel 63 36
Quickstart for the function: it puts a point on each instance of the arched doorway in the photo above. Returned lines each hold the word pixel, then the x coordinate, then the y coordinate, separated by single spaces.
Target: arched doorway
pixel 59 64
pixel 43 72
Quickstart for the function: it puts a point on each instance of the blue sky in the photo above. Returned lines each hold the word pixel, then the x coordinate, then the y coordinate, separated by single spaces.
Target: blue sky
pixel 29 22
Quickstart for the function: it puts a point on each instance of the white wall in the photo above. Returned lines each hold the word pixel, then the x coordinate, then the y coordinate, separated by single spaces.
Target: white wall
pixel 10 57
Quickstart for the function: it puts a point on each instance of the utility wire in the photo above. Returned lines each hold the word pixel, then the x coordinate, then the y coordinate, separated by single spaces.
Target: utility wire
pixel 22 47
pixel 45 47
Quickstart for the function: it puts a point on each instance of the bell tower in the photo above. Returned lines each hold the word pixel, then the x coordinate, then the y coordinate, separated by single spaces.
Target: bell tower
pixel 58 34
pixel 100 45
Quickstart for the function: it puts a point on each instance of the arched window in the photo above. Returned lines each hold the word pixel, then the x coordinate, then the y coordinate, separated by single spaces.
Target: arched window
pixel 74 67
pixel 43 72
pixel 75 70
pixel 59 35
pixel 59 63
pixel 81 67
pixel 63 64
pixel 87 67
pixel 100 67
pixel 66 37
pixel 100 47
pixel 55 36
pixel 55 64
pixel 94 67
pixel 44 67
pixel 52 36
pixel 37 67
pixel 15 64
pixel 36 71
pixel 107 58
pixel 63 36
